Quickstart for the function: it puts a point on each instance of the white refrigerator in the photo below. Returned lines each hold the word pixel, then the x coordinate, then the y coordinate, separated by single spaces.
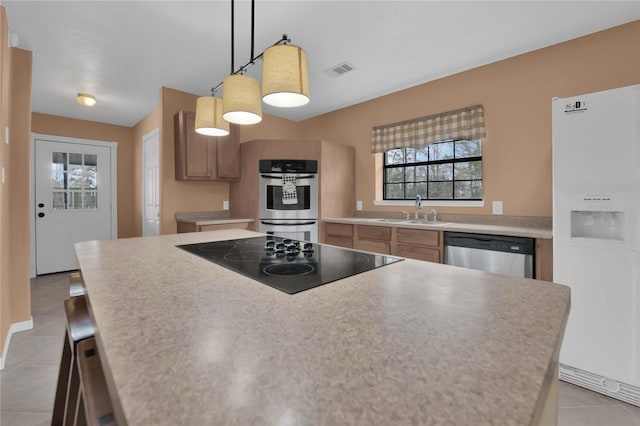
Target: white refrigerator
pixel 596 238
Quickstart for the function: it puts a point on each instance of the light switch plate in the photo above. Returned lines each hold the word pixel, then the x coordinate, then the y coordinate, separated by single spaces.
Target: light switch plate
pixel 225 205
pixel 497 207
pixel 359 205
pixel 6 135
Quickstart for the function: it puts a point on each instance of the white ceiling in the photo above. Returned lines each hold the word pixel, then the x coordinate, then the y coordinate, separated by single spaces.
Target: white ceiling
pixel 124 51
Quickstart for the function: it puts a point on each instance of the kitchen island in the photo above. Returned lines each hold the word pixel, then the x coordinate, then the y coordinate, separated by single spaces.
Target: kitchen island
pixel 184 341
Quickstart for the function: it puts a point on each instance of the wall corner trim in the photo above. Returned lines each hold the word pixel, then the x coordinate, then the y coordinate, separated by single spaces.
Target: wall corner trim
pixel 16 327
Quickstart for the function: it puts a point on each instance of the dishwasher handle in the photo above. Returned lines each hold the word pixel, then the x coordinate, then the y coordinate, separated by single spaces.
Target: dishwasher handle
pixel 501 243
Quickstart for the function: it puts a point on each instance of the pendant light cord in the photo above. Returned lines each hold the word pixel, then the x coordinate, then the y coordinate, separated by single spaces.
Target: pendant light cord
pixel 284 40
pixel 232 33
pixel 253 7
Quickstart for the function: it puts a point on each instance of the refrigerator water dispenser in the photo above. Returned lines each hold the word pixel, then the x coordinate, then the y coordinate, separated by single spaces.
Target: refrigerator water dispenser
pixel 598 225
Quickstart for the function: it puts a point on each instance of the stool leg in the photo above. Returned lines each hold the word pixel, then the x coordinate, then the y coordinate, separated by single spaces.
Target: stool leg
pixel 57 418
pixel 72 393
pixel 80 414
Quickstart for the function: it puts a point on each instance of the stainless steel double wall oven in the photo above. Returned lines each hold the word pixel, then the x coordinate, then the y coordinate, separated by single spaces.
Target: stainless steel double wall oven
pixel 288 204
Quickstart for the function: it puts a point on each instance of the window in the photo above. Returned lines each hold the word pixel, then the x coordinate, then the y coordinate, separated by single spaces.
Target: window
pixel 74 181
pixel 448 170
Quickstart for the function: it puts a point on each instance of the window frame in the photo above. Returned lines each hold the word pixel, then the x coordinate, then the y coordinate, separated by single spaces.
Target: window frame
pixel 427 163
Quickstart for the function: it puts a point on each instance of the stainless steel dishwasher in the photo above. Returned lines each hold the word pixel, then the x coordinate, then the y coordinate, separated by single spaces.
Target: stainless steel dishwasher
pixel 491 253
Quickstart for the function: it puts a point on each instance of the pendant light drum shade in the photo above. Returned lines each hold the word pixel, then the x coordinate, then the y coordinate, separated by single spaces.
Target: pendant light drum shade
pixel 241 100
pixel 285 81
pixel 209 120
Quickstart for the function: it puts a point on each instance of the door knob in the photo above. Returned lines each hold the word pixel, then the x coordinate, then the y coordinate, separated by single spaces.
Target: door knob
pixel 41 205
pixel 40 214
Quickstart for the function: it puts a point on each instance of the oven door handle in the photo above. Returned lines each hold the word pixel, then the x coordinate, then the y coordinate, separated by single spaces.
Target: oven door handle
pixel 280 177
pixel 288 223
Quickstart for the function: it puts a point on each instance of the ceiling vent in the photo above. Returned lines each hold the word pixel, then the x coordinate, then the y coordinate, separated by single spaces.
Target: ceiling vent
pixel 340 69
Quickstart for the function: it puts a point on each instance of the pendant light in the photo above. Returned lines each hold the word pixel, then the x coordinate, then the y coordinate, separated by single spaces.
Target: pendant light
pixel 241 100
pixel 209 121
pixel 285 84
pixel 284 76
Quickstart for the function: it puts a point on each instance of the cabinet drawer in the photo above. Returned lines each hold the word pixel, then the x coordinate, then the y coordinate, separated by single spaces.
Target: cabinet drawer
pixel 382 233
pixel 339 241
pixel 419 236
pixel 340 229
pixel 420 253
pixel 374 246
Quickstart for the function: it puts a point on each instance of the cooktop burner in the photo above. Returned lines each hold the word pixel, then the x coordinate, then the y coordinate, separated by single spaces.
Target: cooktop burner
pixel 288 265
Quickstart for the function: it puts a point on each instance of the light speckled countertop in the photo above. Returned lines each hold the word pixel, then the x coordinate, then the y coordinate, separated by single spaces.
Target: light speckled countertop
pixel 215 221
pixel 513 231
pixel 187 342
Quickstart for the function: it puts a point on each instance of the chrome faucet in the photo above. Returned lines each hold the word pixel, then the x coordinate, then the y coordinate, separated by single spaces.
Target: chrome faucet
pixel 435 214
pixel 418 206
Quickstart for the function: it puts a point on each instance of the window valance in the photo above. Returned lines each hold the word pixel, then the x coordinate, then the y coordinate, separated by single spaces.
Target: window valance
pixel 464 123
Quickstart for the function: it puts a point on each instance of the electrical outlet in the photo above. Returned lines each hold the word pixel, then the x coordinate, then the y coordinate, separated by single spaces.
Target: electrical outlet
pixel 225 205
pixel 4 175
pixel 497 207
pixel 359 205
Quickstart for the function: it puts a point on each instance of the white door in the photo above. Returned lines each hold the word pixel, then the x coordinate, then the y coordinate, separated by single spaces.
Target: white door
pixel 151 203
pixel 73 198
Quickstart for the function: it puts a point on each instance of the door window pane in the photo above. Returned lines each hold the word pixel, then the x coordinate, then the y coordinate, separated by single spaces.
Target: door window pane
pixel 59 200
pixel 74 181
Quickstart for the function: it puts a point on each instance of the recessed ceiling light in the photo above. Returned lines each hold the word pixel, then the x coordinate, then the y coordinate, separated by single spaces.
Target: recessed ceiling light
pixel 86 99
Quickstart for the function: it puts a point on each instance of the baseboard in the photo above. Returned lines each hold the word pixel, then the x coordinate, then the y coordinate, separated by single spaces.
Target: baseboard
pixel 16 327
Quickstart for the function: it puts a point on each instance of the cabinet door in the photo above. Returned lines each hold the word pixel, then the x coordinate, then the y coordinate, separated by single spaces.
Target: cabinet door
pixel 544 260
pixel 228 153
pixel 419 236
pixel 195 153
pixel 200 157
pixel 420 253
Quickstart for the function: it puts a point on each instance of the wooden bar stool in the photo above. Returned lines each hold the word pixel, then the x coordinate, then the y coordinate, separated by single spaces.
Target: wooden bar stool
pixel 76 285
pixel 94 407
pixel 79 327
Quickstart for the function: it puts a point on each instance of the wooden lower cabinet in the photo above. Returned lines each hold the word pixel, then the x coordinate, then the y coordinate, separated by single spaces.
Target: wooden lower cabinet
pixel 338 234
pixel 192 227
pixel 419 252
pixel 421 244
pixel 544 259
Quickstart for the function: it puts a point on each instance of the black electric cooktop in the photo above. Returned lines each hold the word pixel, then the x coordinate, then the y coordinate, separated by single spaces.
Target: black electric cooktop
pixel 288 265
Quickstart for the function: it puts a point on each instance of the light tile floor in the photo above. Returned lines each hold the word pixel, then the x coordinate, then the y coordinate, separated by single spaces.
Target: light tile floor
pixel 28 381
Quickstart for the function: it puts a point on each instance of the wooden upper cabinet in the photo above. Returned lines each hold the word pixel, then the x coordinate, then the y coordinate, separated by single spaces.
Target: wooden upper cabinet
pixel 207 158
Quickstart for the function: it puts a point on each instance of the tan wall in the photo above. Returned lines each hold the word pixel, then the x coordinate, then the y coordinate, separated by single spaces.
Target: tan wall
pixel 516 94
pixel 144 126
pixel 15 114
pixel 62 126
